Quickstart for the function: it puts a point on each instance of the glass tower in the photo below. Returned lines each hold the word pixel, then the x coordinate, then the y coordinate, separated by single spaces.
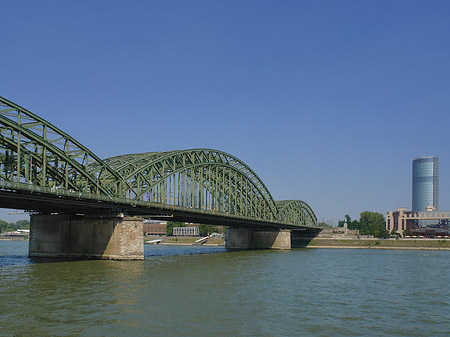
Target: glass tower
pixel 425 183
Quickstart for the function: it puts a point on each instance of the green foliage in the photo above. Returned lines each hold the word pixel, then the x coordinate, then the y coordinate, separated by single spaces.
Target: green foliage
pixel 8 227
pixel 350 224
pixel 23 224
pixel 207 229
pixel 406 232
pixel 370 223
pixel 171 225
pixel 353 225
pixel 373 223
pixel 341 222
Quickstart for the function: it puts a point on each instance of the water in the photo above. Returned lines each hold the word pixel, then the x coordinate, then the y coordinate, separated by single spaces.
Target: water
pixel 202 291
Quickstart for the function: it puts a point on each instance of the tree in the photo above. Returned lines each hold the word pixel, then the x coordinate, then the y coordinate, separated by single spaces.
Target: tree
pixel 370 223
pixel 373 223
pixel 8 227
pixel 206 229
pixel 347 220
pixel 3 226
pixel 354 225
pixel 23 224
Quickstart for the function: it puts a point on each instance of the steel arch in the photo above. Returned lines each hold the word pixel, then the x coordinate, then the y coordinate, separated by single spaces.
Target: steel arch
pixel 199 178
pixel 296 211
pixel 36 152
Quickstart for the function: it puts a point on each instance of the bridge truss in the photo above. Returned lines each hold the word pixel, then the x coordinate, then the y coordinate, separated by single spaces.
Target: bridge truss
pixel 37 156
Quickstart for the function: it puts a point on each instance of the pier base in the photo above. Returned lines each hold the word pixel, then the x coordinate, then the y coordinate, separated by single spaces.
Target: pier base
pixel 109 237
pixel 241 238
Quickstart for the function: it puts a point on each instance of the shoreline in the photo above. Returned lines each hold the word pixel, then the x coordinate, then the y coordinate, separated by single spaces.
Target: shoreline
pixel 186 244
pixel 373 243
pixel 374 247
pixel 338 243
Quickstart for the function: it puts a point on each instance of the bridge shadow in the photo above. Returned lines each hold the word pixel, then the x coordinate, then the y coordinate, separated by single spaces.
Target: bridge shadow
pixel 41 260
pixel 302 238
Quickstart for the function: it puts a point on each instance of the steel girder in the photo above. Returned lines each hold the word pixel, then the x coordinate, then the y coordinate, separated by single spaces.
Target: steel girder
pixel 198 178
pixel 296 211
pixel 34 152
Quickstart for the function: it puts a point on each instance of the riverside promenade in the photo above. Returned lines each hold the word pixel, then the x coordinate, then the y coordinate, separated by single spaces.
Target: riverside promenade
pixel 374 243
pixel 341 242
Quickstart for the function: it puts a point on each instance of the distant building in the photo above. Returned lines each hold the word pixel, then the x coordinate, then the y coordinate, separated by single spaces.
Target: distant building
pixel 155 227
pixel 425 183
pixel 427 223
pixel 424 219
pixel 17 234
pixel 185 231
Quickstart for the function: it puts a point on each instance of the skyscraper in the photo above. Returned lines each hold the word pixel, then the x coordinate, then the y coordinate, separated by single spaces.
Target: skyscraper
pixel 425 183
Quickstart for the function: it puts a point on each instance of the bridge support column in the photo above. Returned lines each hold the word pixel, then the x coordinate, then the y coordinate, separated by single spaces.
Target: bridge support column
pixel 241 238
pixel 108 237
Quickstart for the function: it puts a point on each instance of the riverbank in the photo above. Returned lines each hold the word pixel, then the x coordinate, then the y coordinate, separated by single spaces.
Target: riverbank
pixel 436 244
pixel 190 241
pixel 341 243
pixel 13 238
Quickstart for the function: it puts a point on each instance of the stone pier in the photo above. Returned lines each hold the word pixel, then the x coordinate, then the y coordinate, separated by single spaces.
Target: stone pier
pixel 241 238
pixel 104 236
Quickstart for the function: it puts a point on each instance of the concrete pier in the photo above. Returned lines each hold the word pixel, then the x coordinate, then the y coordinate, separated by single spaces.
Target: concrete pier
pixel 241 238
pixel 104 236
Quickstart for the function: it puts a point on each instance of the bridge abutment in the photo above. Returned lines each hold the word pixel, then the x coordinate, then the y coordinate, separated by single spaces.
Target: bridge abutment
pixel 106 237
pixel 242 238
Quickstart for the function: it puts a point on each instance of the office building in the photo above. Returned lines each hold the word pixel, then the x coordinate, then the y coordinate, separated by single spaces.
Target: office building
pixel 427 223
pixel 424 219
pixel 425 183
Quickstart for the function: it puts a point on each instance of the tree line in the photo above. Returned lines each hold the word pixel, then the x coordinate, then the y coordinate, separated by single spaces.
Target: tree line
pixel 9 226
pixel 370 223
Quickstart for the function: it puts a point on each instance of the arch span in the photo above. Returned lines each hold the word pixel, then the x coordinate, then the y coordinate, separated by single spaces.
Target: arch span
pixel 205 179
pixel 36 153
pixel 296 211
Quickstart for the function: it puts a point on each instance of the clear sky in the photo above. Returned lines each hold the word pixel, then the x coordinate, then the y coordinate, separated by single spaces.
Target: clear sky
pixel 327 101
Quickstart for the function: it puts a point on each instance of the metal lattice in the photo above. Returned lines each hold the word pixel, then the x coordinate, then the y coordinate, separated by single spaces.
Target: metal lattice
pixel 34 152
pixel 296 211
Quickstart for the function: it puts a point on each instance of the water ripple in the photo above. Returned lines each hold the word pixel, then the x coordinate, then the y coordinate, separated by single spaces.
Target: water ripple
pixel 203 291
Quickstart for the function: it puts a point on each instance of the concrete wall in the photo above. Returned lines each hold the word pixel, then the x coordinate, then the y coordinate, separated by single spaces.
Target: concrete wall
pixel 240 238
pixel 92 237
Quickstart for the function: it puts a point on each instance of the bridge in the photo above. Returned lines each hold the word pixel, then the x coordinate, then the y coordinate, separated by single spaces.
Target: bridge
pixel 83 206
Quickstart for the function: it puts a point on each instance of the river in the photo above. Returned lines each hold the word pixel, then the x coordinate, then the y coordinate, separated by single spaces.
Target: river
pixel 208 291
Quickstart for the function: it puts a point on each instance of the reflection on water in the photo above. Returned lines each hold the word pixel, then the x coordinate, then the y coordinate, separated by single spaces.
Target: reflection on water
pixel 203 291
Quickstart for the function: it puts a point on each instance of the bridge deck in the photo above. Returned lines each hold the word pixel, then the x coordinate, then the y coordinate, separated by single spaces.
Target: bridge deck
pixel 45 200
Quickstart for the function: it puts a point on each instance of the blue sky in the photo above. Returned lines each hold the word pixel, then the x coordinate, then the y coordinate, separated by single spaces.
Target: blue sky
pixel 327 101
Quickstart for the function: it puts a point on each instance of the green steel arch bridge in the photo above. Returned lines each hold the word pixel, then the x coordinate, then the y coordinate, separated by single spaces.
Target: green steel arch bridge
pixel 45 170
